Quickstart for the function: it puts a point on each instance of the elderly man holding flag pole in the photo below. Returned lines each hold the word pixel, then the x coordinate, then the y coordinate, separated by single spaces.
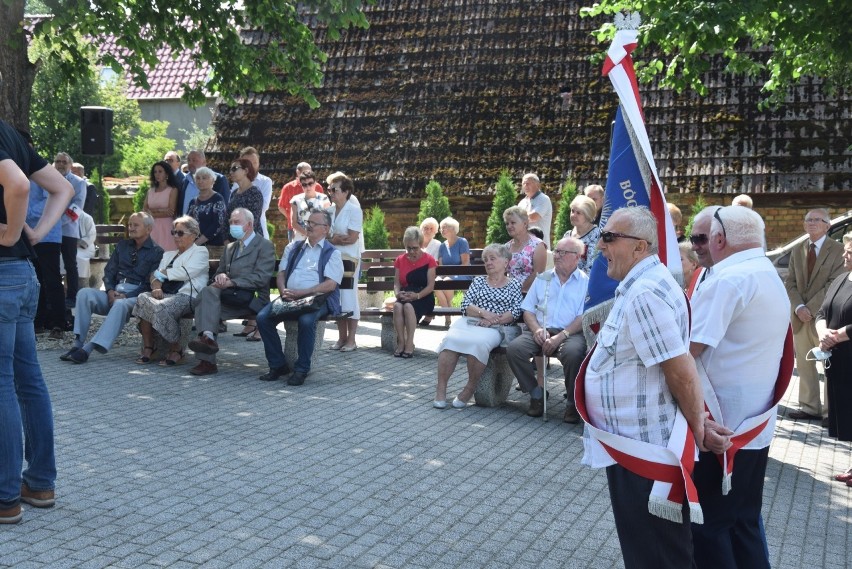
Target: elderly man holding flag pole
pixel 638 391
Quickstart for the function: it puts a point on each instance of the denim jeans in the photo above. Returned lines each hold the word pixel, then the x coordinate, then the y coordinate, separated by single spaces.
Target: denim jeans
pixel 24 401
pixel 267 325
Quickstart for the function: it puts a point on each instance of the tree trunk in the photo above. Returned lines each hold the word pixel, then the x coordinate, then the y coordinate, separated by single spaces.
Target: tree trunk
pixel 18 74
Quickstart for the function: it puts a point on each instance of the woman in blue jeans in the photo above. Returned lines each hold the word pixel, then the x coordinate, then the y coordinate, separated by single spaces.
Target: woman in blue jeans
pixel 24 400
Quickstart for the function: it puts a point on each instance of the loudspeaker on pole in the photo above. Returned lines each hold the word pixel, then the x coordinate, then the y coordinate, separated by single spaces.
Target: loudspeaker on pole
pixel 96 131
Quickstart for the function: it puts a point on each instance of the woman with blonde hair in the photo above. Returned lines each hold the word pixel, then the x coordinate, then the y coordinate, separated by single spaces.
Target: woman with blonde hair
pixel 529 253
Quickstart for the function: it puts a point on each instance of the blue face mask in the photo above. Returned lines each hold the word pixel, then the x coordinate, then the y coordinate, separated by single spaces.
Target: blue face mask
pixel 237 231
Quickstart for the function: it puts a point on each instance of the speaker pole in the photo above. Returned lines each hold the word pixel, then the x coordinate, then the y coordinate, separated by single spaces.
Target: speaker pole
pixel 102 201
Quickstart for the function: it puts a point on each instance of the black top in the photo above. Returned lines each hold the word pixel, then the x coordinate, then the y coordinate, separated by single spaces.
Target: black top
pixel 14 147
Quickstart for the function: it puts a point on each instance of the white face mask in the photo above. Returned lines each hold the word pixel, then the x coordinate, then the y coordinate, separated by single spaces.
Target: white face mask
pixel 818 355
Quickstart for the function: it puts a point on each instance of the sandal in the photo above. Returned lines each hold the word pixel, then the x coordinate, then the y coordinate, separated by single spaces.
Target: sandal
pixel 247 331
pixel 407 355
pixel 173 362
pixel 143 359
pixel 254 336
pixel 397 354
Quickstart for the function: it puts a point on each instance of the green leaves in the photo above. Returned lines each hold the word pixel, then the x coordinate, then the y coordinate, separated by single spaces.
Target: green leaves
pixel 804 37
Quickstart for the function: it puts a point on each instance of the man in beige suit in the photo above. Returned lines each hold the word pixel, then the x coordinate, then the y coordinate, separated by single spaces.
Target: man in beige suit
pixel 813 265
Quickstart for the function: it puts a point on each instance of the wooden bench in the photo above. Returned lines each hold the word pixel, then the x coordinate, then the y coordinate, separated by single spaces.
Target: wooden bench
pixel 106 236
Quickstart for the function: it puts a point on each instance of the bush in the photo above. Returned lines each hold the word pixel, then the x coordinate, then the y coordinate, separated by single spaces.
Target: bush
pixel 270 228
pixel 102 215
pixel 696 207
pixel 563 215
pixel 504 197
pixel 149 146
pixel 375 233
pixel 435 204
pixel 139 196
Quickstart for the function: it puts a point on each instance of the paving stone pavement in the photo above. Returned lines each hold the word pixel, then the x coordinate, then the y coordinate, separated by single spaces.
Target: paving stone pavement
pixel 158 468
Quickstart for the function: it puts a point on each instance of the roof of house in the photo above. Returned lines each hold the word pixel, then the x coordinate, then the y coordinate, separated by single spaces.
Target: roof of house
pixel 458 91
pixel 167 78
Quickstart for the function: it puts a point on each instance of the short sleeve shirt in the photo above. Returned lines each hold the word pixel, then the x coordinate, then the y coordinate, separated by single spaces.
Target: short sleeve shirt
pixel 14 148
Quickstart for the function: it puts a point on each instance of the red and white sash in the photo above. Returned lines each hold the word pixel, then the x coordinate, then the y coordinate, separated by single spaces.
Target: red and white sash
pixel 752 427
pixel 669 467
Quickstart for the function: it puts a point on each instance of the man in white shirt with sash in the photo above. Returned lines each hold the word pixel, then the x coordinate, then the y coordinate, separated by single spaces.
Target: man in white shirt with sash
pixel 739 334
pixel 640 396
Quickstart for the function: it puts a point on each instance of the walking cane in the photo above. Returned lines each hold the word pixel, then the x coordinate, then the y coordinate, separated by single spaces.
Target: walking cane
pixel 546 276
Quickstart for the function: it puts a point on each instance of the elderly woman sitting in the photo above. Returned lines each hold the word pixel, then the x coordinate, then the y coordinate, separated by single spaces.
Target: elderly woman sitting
pixel 181 275
pixel 491 303
pixel 413 283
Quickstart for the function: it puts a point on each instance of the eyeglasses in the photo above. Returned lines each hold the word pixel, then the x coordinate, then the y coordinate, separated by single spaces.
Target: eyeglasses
pixel 307 184
pixel 134 257
pixel 560 252
pixel 235 168
pixel 698 239
pixel 815 220
pixel 60 161
pixel 179 233
pixel 310 223
pixel 610 236
pixel 717 217
pixel 412 249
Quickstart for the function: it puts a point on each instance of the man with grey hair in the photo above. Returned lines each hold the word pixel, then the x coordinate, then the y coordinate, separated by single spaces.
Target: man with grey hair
pixel 700 241
pixel 240 286
pixel 172 158
pixel 126 276
pixel 289 191
pixel 814 264
pixel 740 323
pixel 70 225
pixel 538 206
pixel 640 396
pixel 309 267
pixel 553 313
pixel 743 200
pixel 189 191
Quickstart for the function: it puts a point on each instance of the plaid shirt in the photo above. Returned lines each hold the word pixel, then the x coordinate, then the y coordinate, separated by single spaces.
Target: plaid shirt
pixel 626 391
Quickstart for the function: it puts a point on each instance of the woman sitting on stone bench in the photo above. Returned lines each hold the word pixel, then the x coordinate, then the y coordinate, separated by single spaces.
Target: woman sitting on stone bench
pixel 491 304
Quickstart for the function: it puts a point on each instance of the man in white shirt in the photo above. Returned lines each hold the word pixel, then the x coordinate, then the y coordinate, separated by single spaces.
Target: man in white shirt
pixel 553 313
pixel 538 206
pixel 740 323
pixel 308 267
pixel 640 394
pixel 813 266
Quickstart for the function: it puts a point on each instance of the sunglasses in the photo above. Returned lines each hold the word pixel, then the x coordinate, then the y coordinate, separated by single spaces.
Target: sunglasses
pixel 719 219
pixel 235 168
pixel 307 184
pixel 179 233
pixel 610 236
pixel 698 239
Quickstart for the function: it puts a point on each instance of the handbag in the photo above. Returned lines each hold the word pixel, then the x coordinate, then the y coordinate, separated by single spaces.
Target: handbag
pixel 508 332
pixel 292 309
pixel 171 287
pixel 236 297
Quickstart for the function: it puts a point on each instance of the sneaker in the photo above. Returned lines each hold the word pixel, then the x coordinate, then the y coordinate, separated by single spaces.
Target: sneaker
pixel 11 515
pixel 37 498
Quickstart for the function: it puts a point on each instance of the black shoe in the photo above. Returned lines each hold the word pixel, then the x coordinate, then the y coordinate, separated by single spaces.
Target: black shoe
pixel 298 378
pixel 536 407
pixel 275 373
pixel 66 357
pixel 79 356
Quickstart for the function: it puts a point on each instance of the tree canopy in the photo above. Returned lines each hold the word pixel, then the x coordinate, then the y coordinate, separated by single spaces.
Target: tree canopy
pixel 284 56
pixel 778 43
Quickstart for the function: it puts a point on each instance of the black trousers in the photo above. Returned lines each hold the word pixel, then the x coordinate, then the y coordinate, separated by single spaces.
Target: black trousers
pixel 647 541
pixel 730 535
pixel 69 258
pixel 51 296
